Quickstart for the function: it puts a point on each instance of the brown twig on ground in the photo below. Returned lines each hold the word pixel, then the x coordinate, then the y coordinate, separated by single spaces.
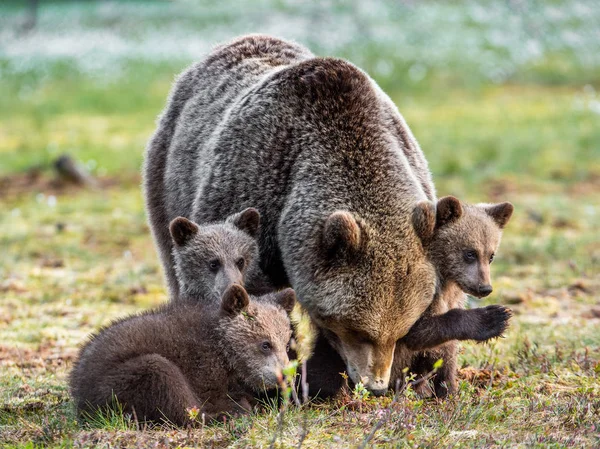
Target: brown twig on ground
pixel 284 405
pixel 303 430
pixel 386 415
pixel 295 396
pixel 279 426
pixel 304 385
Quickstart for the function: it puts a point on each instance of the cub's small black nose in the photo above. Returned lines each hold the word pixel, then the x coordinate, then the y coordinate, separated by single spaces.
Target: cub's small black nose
pixel 485 290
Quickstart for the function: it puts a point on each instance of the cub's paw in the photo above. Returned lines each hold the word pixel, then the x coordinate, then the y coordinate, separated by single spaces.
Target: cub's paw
pixel 493 321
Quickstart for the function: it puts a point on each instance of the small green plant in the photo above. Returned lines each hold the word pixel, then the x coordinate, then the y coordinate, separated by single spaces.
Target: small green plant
pixel 360 393
pixel 193 413
pixel 288 390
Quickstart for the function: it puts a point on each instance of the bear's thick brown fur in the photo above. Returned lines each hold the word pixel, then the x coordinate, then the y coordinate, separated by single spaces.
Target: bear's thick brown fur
pixel 317 147
pixel 213 356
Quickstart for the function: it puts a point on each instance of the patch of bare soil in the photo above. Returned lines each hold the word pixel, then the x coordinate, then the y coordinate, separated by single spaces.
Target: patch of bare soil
pixel 38 181
pixel 499 189
pixel 148 438
pixel 579 299
pixel 483 378
pixel 589 186
pixel 47 355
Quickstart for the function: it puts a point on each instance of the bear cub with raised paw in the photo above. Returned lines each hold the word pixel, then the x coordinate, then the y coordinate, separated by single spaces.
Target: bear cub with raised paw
pixel 461 240
pixel 213 355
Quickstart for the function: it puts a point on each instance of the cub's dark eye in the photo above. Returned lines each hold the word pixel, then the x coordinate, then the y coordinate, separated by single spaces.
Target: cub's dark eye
pixel 491 258
pixel 241 263
pixel 266 346
pixel 470 256
pixel 214 265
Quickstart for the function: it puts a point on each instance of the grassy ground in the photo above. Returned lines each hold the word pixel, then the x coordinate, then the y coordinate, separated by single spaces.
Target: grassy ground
pixel 72 258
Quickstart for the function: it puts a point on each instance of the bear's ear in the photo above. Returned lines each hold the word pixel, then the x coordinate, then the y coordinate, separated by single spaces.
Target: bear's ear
pixel 235 299
pixel 286 299
pixel 341 233
pixel 500 213
pixel 423 219
pixel 448 209
pixel 247 220
pixel 182 230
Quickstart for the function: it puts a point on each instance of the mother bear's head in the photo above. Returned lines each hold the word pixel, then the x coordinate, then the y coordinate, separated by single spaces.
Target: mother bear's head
pixel 364 284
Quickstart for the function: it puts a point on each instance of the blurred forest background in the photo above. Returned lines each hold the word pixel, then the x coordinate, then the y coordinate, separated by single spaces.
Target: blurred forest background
pixel 502 96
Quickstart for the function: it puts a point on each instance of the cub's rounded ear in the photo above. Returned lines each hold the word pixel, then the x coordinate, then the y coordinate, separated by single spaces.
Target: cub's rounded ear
pixel 448 209
pixel 247 220
pixel 182 230
pixel 423 219
pixel 500 212
pixel 286 299
pixel 341 232
pixel 235 299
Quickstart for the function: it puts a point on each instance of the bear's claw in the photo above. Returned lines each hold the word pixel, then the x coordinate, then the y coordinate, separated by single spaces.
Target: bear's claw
pixel 494 321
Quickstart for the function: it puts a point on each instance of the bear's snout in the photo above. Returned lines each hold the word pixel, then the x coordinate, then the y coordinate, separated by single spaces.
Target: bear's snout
pixel 485 290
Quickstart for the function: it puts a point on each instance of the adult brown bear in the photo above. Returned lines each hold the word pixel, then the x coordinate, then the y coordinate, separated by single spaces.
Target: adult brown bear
pixel 324 155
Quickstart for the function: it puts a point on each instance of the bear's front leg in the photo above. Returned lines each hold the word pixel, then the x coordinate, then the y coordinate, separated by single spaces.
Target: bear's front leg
pixel 480 324
pixel 228 403
pixel 324 370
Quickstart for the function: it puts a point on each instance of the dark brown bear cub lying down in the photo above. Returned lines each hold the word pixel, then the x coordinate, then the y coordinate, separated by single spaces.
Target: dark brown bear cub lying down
pixel 214 355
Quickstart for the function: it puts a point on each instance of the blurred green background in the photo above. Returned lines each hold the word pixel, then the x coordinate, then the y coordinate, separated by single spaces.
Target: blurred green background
pixel 503 97
pixel 489 88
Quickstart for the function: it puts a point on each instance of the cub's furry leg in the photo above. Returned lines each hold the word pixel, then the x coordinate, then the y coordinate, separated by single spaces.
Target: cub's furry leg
pixel 151 387
pixel 479 324
pixel 444 379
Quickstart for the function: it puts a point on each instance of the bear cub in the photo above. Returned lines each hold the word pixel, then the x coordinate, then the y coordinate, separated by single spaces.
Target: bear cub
pixel 461 240
pixel 210 258
pixel 213 355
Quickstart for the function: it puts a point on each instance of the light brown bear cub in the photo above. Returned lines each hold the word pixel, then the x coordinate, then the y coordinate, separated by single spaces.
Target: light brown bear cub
pixel 214 355
pixel 461 240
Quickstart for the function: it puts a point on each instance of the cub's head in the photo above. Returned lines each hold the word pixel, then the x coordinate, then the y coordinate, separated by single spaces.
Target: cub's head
pixel 210 258
pixel 256 334
pixel 462 240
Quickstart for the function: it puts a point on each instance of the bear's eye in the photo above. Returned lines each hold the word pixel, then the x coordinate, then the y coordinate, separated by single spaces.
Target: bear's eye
pixel 470 256
pixel 241 262
pixel 492 258
pixel 214 265
pixel 266 346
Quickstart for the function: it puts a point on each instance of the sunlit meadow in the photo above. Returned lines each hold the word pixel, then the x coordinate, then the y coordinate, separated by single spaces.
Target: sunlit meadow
pixel 504 98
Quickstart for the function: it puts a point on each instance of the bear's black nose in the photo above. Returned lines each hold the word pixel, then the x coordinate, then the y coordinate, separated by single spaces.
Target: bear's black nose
pixel 381 392
pixel 485 290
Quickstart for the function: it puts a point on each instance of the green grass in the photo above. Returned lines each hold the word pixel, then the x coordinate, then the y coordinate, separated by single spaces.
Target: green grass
pixel 73 259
